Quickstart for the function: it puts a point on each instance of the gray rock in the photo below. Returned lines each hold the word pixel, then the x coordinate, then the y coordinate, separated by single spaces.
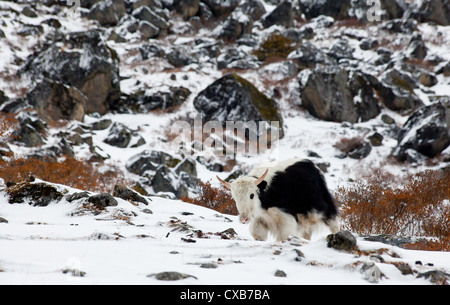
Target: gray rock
pixel 335 9
pixel 220 7
pixel 36 194
pixel 343 240
pixel 335 94
pixel 188 166
pixel 232 98
pixel 150 160
pixel 125 193
pixel 437 277
pixel 281 15
pixel 108 12
pixel 121 136
pixel 103 200
pixel 187 8
pixel 280 273
pixel 427 131
pixel 371 272
pixel 87 63
pixel 55 101
pixel 170 276
pixel 3 220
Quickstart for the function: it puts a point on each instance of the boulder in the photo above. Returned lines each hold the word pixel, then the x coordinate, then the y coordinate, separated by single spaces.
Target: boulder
pixel 308 56
pixel 282 15
pixel 233 98
pixel 427 131
pixel 86 63
pixel 335 94
pixel 123 192
pixel 31 129
pixel 437 11
pixel 336 9
pixel 103 200
pixel 220 7
pixel 55 101
pixel 187 8
pixel 253 8
pixel 108 12
pixel 396 91
pixel 121 136
pixel 149 160
pixel 343 240
pixel 35 194
pixel 155 17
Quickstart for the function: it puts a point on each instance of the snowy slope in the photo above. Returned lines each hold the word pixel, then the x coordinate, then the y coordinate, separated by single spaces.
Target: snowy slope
pixel 39 243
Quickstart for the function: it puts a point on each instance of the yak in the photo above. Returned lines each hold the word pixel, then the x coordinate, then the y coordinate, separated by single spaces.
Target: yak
pixel 284 198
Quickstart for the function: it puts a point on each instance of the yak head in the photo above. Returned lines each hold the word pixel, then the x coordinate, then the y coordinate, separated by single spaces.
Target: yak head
pixel 245 190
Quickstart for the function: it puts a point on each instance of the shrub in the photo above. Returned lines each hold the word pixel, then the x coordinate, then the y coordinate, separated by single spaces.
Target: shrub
pixel 213 198
pixel 276 45
pixel 69 171
pixel 420 207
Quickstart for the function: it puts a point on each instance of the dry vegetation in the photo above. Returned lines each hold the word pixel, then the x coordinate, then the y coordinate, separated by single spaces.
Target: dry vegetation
pixel 419 207
pixel 69 171
pixel 214 198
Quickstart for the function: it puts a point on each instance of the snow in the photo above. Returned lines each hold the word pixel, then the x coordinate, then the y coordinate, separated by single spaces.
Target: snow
pixel 38 243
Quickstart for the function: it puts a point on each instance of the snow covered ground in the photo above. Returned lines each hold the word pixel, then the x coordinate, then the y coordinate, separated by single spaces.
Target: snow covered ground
pixel 126 245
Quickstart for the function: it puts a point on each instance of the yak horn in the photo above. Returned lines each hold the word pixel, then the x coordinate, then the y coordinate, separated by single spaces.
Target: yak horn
pixel 260 179
pixel 224 183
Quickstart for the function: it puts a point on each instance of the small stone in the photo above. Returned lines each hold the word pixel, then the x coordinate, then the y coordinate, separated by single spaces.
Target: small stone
pixel 170 276
pixel 343 240
pixel 208 266
pixel 371 272
pixel 280 273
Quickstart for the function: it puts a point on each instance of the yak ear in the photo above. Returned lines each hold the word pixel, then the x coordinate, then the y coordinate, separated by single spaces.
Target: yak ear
pixel 262 185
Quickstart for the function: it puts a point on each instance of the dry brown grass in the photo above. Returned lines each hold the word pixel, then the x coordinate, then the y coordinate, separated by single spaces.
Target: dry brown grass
pixel 70 171
pixel 420 207
pixel 214 198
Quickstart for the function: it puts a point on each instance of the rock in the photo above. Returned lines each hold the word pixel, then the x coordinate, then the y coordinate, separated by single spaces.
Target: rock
pixel 427 131
pixel 236 58
pixel 253 8
pixel 187 8
pixel 360 151
pixel 437 277
pixel 437 11
pixel 371 272
pixel 35 194
pixel 220 7
pixel 148 30
pixel 31 129
pixel 406 26
pixel 417 49
pixel 343 240
pixel 125 193
pixel 101 124
pixel 152 4
pixel 188 166
pixel 103 200
pixel 336 9
pixel 29 12
pixel 155 17
pixel 404 268
pixel 336 94
pixel 232 98
pixel 121 136
pixel 3 220
pixel 235 26
pixel 149 160
pixel 376 139
pixel 142 102
pixel 77 196
pixel 55 101
pixel 108 12
pixel 282 15
pixel 280 273
pixel 208 265
pixel 170 276
pixel 180 56
pixel 308 56
pixel 341 49
pixel 396 91
pixel 86 63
